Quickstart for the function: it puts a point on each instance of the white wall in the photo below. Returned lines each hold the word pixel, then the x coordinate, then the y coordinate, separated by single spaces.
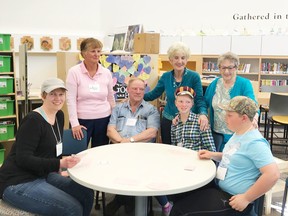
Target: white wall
pixel 185 16
pixel 99 17
pixel 67 17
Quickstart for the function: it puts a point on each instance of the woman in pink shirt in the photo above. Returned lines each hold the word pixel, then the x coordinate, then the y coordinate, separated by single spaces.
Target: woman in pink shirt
pixel 90 96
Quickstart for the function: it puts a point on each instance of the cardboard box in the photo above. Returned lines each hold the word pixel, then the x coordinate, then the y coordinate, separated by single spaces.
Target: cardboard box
pixel 147 43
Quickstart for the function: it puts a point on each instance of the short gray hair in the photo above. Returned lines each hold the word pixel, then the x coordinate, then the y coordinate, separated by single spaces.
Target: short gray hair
pixel 232 57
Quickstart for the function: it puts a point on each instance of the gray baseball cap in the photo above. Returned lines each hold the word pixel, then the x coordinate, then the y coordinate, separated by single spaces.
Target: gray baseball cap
pixel 52 84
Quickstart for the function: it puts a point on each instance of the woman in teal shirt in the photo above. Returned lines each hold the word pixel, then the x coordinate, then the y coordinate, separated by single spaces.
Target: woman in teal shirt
pixel 178 55
pixel 223 89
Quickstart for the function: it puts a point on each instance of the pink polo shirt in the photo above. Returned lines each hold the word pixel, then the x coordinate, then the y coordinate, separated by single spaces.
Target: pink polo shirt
pixel 89 97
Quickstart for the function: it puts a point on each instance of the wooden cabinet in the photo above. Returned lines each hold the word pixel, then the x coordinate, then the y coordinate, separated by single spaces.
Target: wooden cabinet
pixel 8 100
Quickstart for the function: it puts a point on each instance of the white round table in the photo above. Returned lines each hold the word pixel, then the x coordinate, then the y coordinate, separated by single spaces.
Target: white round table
pixel 141 170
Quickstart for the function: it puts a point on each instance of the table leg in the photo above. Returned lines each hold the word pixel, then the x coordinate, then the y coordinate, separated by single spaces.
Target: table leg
pixel 141 206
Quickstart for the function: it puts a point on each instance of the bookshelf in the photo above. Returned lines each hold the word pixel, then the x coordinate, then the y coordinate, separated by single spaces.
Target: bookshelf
pixel 251 67
pixel 248 68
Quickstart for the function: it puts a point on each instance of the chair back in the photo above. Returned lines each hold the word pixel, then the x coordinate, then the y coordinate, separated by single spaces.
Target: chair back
pixel 278 105
pixel 218 140
pixel 71 145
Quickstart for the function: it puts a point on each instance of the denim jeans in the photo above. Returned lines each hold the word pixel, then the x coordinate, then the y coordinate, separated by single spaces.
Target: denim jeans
pixel 56 195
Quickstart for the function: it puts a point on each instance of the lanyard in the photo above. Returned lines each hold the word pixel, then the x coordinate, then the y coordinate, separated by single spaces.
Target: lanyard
pixel 42 112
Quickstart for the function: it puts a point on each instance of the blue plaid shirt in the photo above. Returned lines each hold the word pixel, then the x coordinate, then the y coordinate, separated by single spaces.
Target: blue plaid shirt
pixel 190 136
pixel 146 114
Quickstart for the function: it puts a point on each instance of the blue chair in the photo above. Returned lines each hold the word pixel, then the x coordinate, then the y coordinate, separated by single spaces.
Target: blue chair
pixel 218 140
pixel 71 145
pixel 258 206
pixel 74 146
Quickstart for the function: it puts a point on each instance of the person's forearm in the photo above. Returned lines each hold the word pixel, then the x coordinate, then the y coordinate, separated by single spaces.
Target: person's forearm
pixel 113 135
pixel 146 135
pixel 216 156
pixel 264 183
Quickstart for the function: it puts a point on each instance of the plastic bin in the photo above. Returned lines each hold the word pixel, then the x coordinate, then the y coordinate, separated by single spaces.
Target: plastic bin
pixel 2 153
pixel 5 63
pixel 5 42
pixel 6 106
pixel 6 84
pixel 6 130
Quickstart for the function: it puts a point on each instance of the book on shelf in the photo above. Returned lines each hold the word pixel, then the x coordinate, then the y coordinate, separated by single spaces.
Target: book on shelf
pixel 274 68
pixel 269 82
pixel 210 66
pixel 244 68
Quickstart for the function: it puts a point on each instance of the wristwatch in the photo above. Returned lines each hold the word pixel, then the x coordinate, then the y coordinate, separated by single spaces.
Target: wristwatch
pixel 132 140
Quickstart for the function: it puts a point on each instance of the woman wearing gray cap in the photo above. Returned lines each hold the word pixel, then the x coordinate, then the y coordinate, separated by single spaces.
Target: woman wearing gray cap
pixel 30 178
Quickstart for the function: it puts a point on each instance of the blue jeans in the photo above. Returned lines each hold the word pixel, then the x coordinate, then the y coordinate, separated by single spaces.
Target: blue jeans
pixel 162 200
pixel 56 195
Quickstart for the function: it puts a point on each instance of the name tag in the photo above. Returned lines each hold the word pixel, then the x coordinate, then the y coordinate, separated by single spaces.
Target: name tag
pixel 94 87
pixel 221 173
pixel 131 122
pixel 59 149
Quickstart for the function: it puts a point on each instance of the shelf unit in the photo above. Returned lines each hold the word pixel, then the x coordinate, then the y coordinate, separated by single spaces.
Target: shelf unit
pixel 254 73
pixel 12 97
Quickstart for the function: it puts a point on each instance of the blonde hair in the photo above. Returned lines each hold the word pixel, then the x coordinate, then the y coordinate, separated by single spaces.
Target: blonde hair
pixel 178 47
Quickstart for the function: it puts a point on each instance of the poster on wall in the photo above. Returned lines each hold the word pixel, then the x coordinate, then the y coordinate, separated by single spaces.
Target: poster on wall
pixel 132 30
pixel 64 43
pixel 46 43
pixel 123 67
pixel 118 42
pixel 79 41
pixel 29 41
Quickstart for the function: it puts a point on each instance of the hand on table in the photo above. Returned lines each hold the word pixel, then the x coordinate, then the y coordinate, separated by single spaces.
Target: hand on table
pixel 204 154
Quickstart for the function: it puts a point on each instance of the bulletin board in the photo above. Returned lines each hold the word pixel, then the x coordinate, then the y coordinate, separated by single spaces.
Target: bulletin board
pixel 123 67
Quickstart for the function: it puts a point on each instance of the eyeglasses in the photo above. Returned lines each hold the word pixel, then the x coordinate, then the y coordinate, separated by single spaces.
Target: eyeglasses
pixel 229 68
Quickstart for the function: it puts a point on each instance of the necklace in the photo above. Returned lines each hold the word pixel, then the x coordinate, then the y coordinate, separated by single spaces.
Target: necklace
pixel 175 83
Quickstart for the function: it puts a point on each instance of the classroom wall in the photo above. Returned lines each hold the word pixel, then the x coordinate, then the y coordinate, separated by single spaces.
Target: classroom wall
pixel 186 16
pixel 98 18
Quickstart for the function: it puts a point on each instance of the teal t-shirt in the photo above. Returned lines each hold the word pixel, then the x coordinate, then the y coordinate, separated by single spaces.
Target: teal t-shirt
pixel 244 155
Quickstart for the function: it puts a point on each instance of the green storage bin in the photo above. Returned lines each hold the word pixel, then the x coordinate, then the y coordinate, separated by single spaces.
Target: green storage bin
pixel 6 130
pixel 5 63
pixel 5 42
pixel 6 106
pixel 6 84
pixel 2 153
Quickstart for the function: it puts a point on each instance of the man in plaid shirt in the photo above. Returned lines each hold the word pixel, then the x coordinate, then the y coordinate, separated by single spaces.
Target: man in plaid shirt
pixel 186 132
